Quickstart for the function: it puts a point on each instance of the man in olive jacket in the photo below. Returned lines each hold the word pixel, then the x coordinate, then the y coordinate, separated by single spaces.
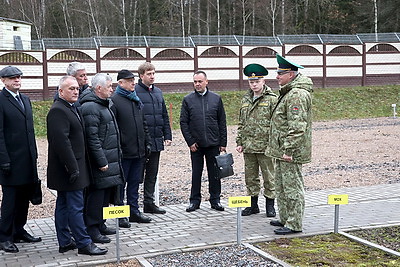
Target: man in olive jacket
pixel 67 170
pixel 252 139
pixel 290 144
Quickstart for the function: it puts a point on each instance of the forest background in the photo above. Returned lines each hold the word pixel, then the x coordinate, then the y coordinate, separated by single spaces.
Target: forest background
pixel 88 18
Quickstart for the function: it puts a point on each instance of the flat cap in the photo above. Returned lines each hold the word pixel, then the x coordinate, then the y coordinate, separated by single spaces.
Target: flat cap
pixel 255 71
pixel 286 65
pixel 125 74
pixel 10 71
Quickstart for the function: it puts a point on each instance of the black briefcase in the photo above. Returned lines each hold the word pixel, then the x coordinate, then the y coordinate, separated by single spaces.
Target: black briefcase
pixel 224 165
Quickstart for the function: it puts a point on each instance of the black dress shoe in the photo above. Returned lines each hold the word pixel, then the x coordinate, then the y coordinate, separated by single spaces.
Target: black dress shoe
pixel 153 208
pixel 192 207
pixel 100 239
pixel 92 249
pixel 104 230
pixel 124 223
pixel 217 206
pixel 139 218
pixel 285 231
pixel 70 246
pixel 276 223
pixel 26 237
pixel 8 246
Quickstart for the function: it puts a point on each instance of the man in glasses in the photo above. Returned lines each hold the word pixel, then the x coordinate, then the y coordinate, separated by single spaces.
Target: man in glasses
pixel 290 144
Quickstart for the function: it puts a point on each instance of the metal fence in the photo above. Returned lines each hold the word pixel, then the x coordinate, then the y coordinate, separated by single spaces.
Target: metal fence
pixel 199 40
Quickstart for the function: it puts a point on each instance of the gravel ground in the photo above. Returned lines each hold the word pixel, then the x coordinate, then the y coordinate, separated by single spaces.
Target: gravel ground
pixel 346 153
pixel 232 256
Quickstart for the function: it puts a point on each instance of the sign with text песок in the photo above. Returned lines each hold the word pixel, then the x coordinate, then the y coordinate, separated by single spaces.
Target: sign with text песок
pixel 116 212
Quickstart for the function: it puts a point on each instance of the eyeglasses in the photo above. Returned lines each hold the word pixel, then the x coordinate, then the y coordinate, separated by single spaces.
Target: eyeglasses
pixel 282 73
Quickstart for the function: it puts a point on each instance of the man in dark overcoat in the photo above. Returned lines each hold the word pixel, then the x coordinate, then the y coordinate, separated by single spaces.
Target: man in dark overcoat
pixel 67 170
pixel 18 158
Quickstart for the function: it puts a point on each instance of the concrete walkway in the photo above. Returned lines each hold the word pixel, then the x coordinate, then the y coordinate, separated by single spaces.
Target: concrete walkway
pixel 179 230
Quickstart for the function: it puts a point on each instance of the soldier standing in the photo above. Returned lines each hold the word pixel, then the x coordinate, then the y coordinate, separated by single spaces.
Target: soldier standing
pixel 252 139
pixel 290 144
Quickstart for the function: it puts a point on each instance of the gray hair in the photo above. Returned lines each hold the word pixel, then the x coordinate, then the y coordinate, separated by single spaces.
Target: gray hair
pixel 73 68
pixel 64 78
pixel 100 79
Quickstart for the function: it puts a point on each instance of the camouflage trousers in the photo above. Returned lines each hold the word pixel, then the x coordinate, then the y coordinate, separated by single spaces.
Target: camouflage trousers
pixel 253 162
pixel 289 187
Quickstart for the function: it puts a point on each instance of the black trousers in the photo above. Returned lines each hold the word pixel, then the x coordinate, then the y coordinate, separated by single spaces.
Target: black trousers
pixel 214 183
pixel 95 200
pixel 150 177
pixel 14 211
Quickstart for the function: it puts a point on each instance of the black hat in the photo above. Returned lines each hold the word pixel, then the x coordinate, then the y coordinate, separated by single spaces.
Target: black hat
pixel 286 65
pixel 125 74
pixel 255 71
pixel 10 71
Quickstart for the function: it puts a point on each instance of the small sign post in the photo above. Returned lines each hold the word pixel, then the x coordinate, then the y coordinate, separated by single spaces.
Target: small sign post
pixel 116 212
pixel 239 202
pixel 394 110
pixel 337 200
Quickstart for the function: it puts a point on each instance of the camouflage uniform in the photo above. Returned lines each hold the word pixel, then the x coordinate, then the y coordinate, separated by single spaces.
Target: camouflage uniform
pixel 290 134
pixel 253 133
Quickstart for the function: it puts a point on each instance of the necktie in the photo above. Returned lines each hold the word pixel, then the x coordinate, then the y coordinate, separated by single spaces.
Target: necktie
pixel 75 110
pixel 20 102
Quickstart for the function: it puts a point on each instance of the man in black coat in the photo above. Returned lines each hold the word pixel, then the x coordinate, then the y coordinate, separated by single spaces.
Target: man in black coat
pixel 203 125
pixel 18 157
pixel 102 136
pixel 135 140
pixel 157 121
pixel 67 170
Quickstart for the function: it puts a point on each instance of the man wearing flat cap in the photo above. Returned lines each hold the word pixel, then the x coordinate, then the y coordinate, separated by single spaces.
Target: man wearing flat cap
pixel 252 139
pixel 290 144
pixel 135 141
pixel 18 158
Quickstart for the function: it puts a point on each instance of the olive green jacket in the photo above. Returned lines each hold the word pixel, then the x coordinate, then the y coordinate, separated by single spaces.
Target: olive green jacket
pixel 290 131
pixel 254 121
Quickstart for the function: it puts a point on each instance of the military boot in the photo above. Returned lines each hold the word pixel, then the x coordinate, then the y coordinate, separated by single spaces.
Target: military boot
pixel 253 209
pixel 269 207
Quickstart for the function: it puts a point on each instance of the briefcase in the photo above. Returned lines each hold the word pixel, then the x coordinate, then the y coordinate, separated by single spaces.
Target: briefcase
pixel 224 165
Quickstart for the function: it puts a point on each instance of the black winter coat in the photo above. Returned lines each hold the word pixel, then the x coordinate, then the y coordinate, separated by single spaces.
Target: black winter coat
pixel 203 120
pixel 156 115
pixel 102 137
pixel 66 152
pixel 17 140
pixel 132 126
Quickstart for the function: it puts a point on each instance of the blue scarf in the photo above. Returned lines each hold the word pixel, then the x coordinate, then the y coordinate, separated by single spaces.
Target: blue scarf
pixel 131 95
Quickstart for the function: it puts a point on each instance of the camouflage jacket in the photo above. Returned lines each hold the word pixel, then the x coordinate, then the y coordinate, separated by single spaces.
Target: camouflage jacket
pixel 254 121
pixel 290 131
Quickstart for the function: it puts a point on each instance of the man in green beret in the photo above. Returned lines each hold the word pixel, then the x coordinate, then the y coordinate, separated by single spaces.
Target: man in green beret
pixel 252 139
pixel 290 144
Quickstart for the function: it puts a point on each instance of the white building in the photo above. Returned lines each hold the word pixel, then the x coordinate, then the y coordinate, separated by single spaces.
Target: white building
pixel 15 34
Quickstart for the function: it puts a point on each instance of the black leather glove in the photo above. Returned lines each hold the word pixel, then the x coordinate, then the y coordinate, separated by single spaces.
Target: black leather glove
pixel 5 168
pixel 148 150
pixel 73 177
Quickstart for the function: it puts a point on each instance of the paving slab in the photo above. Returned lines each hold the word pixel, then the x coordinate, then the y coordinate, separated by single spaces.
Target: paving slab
pixel 179 230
